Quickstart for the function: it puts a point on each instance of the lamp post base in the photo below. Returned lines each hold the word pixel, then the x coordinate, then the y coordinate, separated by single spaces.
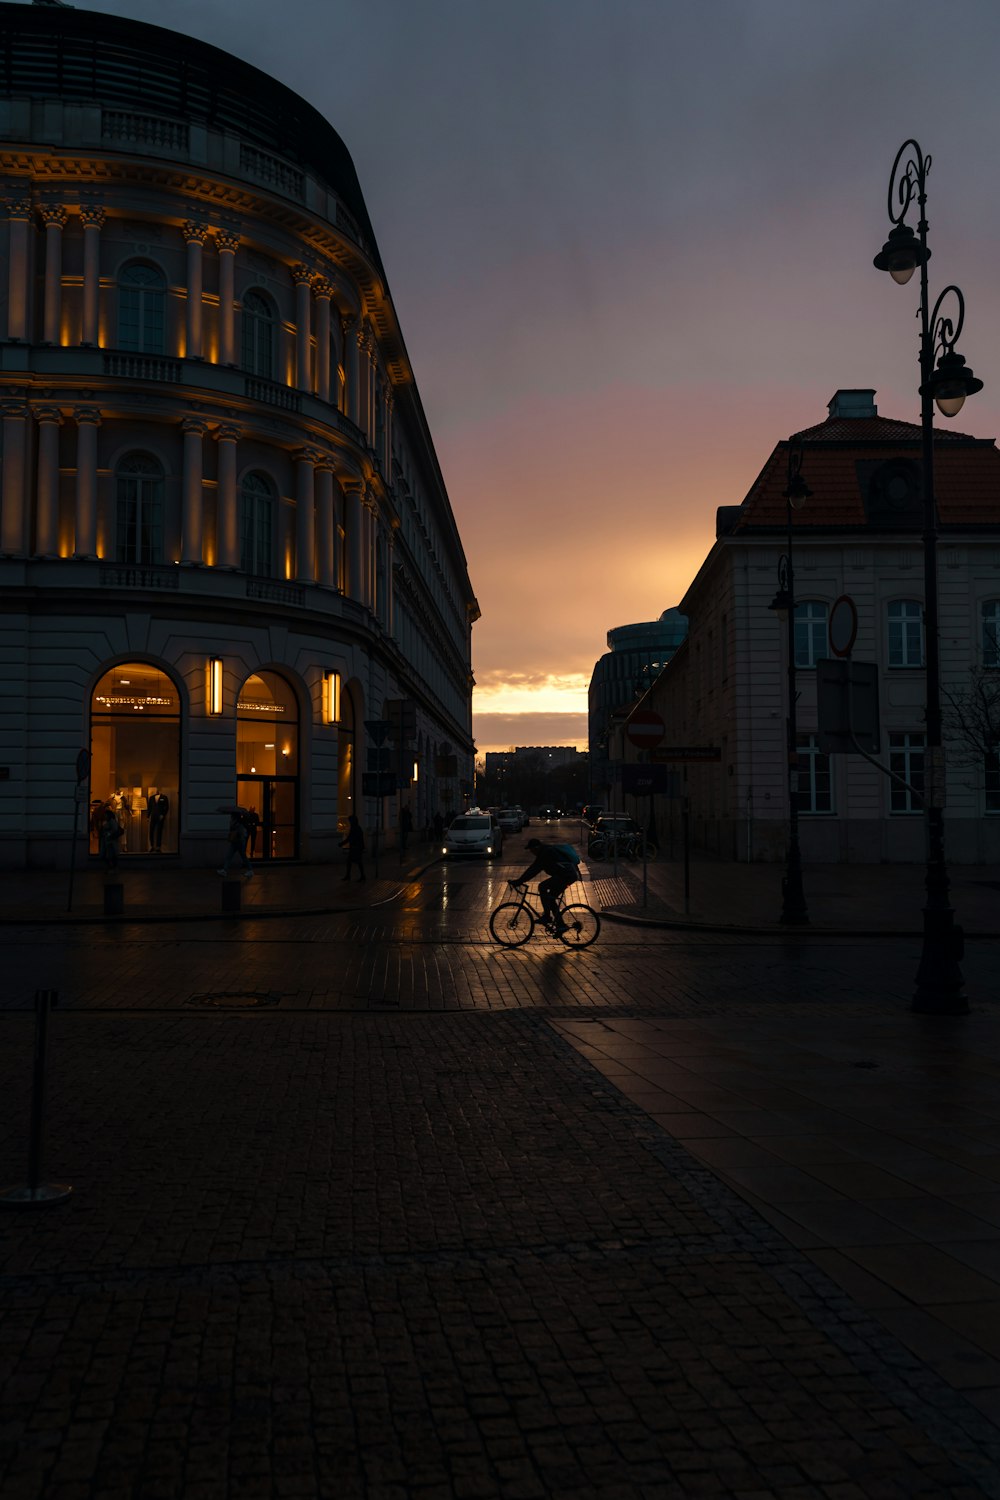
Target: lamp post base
pixel 794 912
pixel 940 987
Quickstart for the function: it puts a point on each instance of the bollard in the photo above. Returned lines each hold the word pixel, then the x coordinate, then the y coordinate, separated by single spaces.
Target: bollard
pixel 114 897
pixel 232 896
pixel 37 1194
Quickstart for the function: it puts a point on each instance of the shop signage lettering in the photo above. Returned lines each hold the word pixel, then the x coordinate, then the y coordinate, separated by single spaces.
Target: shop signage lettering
pixel 123 702
pixel 246 707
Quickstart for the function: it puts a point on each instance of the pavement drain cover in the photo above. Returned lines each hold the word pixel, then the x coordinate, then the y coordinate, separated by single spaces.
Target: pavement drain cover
pixel 235 999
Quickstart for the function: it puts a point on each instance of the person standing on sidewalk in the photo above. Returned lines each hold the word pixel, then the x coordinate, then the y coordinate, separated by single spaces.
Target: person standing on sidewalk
pixel 355 846
pixel 240 828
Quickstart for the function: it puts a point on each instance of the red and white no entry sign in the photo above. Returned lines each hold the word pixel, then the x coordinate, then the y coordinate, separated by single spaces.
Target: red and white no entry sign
pixel 645 729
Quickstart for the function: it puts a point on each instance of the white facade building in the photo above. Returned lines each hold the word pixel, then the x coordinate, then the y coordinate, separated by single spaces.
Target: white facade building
pixel 860 534
pixel 225 542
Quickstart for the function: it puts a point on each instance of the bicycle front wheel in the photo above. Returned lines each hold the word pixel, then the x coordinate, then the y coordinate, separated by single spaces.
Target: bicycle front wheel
pixel 511 924
pixel 582 925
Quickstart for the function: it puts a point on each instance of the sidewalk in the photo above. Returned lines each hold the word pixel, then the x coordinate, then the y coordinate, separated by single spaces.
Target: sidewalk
pixel 856 899
pixel 153 892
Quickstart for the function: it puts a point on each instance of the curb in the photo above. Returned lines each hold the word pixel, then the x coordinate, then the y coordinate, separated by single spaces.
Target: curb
pixel 809 930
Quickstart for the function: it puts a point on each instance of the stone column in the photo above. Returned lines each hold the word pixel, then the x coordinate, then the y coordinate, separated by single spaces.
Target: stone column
pixel 227 519
pixel 228 244
pixel 54 219
pixel 305 515
pixel 49 419
pixel 389 401
pixel 194 429
pixel 368 543
pixel 390 587
pixel 326 529
pixel 322 290
pixel 19 210
pixel 87 422
pixel 13 530
pixel 352 341
pixel 302 276
pixel 93 223
pixel 353 526
pixel 195 235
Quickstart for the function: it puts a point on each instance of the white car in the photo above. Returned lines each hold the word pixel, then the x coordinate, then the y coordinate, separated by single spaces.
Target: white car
pixel 509 820
pixel 473 833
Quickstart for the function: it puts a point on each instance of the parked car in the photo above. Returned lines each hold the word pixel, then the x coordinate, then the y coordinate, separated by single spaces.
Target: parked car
pixel 473 833
pixel 525 820
pixel 509 820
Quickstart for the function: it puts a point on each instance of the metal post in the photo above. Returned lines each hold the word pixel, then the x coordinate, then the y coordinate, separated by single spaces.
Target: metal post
pixel 37 1193
pixel 794 912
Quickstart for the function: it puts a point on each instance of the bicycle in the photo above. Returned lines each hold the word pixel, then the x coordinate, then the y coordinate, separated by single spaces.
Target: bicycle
pixel 513 922
pixel 629 846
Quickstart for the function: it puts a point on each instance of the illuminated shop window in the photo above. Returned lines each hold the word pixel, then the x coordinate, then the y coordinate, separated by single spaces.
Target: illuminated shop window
pixel 267 761
pixel 135 742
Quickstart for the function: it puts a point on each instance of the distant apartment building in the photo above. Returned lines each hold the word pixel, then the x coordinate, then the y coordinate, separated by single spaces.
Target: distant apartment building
pixel 636 656
pixel 859 534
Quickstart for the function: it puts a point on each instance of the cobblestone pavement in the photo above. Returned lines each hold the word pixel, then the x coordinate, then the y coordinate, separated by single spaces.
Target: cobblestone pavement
pixel 355 1214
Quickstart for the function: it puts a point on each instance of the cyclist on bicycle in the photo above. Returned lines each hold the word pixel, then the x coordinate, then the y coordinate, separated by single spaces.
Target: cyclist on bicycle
pixel 560 871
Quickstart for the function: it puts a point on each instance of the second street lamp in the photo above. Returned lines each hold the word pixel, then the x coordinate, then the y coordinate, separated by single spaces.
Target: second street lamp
pixel 794 912
pixel 940 986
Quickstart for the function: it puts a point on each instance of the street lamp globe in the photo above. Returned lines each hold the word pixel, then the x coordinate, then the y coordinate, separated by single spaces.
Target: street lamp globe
pixel 901 254
pixel 951 382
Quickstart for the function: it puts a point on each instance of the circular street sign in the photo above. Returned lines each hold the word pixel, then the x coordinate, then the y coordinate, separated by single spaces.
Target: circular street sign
pixel 645 729
pixel 843 627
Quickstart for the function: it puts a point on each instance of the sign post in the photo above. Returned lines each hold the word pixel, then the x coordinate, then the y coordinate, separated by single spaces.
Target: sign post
pixel 79 795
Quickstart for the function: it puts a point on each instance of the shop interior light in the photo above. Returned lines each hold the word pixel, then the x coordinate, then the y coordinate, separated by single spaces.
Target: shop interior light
pixel 416 771
pixel 331 697
pixel 215 685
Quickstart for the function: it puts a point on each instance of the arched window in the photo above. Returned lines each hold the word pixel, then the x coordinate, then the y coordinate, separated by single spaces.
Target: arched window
pixel 257 498
pixel 142 301
pixel 991 632
pixel 258 335
pixel 810 632
pixel 139 509
pixel 906 633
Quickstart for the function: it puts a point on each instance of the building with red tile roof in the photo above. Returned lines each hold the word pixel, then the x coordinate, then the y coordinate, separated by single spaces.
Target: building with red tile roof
pixel 859 534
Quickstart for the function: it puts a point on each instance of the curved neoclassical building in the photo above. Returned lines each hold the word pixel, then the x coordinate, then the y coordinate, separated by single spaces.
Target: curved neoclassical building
pixel 225 541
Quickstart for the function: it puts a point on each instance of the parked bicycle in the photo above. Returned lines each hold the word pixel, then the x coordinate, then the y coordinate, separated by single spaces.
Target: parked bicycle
pixel 513 922
pixel 629 846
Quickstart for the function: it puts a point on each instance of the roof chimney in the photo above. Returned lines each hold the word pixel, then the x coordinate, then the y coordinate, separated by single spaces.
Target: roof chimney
pixel 857 403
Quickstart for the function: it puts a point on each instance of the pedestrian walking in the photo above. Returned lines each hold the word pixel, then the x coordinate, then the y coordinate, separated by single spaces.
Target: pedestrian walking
pixel 240 828
pixel 405 827
pixel 109 836
pixel 355 846
pixel 437 823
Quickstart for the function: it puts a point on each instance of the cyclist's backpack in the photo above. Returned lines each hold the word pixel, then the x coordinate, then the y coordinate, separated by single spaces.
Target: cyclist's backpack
pixel 569 854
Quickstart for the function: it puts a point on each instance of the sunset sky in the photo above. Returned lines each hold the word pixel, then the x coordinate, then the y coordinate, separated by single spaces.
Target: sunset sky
pixel 630 246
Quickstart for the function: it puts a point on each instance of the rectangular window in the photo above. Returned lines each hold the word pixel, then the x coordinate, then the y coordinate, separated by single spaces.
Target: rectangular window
pixel 991 633
pixel 810 633
pixel 991 768
pixel 906 633
pixel 815 792
pixel 906 760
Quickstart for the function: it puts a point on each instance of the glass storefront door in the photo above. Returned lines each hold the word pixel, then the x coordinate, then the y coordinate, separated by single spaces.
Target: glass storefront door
pixel 274 800
pixel 267 762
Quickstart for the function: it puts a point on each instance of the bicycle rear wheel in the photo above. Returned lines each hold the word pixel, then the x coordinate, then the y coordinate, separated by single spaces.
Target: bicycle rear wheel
pixel 511 924
pixel 582 925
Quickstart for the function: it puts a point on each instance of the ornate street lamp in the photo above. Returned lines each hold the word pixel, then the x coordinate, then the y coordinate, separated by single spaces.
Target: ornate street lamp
pixel 794 912
pixel 940 986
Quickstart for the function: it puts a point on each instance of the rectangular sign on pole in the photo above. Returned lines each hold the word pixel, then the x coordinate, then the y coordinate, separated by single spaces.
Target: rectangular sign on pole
pixel 643 781
pixel 847 706
pixel 667 753
pixel 378 783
